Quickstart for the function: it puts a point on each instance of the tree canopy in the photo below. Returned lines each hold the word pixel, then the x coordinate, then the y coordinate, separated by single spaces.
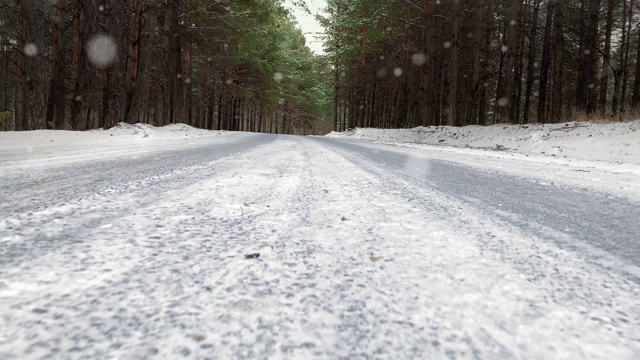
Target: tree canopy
pixel 229 65
pixel 403 63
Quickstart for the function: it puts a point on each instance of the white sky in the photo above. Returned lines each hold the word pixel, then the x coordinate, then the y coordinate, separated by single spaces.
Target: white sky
pixel 308 24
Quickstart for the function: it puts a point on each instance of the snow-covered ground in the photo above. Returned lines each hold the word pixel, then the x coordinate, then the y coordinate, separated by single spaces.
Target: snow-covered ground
pixel 611 142
pixel 41 146
pixel 141 255
pixel 604 157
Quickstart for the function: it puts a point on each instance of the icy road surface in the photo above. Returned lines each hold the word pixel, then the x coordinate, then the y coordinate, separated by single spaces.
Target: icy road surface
pixel 141 256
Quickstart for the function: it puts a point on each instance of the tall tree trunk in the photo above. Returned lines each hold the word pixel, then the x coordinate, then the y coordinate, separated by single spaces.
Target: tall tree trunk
pixel 76 39
pixel 56 110
pixel 531 59
pixel 453 65
pixel 618 72
pixel 21 65
pixel 512 63
pixel 582 81
pixel 558 41
pixel 173 63
pixel 501 98
pixel 606 61
pixel 188 84
pixel 113 98
pixel 135 56
pixel 344 113
pixel 6 62
pixel 210 96
pixel 591 55
pixel 625 66
pixel 3 83
pixel 85 86
pixel 484 71
pixel 546 64
pixel 220 99
pixel 336 97
pixel 480 26
pixel 261 118
pixel 635 100
pixel 32 50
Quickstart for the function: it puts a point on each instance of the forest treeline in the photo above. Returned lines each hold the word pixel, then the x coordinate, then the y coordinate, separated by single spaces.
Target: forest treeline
pixel 404 63
pixel 215 64
pixel 243 64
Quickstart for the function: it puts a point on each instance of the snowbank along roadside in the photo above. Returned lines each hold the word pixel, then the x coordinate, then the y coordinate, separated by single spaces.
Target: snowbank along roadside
pixel 614 142
pixel 40 146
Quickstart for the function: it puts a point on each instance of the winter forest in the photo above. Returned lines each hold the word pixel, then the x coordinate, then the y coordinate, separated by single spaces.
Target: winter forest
pixel 226 65
pixel 243 65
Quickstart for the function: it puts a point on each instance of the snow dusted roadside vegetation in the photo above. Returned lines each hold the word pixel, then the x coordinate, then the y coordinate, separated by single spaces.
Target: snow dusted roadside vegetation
pixel 610 142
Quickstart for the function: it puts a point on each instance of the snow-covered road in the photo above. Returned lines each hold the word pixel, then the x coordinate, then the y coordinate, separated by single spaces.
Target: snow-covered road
pixel 141 256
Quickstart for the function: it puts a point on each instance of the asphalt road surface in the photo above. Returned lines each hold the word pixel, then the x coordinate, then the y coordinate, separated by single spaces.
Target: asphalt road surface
pixel 366 251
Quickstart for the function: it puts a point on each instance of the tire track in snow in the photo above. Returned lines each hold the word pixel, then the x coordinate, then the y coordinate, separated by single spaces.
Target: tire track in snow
pixel 148 259
pixel 169 279
pixel 581 221
pixel 22 190
pixel 566 292
pixel 97 198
